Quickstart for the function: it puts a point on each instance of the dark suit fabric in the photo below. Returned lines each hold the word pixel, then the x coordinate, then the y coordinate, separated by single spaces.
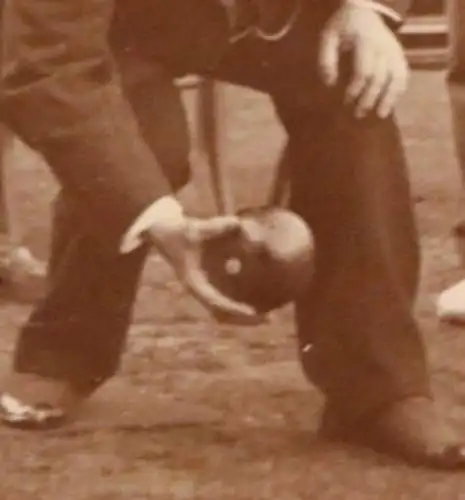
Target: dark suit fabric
pixel 358 340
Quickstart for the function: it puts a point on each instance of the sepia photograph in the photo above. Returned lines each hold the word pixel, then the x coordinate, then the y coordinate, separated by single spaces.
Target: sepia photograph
pixel 232 250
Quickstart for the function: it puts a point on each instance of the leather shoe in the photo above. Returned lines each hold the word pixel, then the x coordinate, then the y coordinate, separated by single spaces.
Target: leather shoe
pixel 410 429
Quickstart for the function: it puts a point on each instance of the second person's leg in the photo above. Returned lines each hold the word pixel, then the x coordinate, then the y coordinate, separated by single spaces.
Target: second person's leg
pixel 451 303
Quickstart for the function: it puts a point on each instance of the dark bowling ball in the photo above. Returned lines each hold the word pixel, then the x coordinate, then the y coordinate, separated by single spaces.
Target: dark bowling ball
pixel 266 266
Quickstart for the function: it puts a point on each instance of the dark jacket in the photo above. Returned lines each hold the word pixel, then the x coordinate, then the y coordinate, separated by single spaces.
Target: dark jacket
pixel 61 95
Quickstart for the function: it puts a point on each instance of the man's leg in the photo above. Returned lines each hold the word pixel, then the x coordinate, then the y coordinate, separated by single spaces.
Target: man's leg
pixel 358 339
pixel 76 334
pixel 22 276
pixel 74 338
pixel 349 182
pixel 355 324
pixel 451 303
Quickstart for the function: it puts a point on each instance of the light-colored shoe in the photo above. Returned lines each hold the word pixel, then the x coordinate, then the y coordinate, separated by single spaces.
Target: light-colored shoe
pixel 22 276
pixel 30 401
pixel 450 305
pixel 16 413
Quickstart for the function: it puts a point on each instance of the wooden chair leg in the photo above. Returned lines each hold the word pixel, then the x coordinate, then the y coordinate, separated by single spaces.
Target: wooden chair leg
pixel 211 115
pixel 212 126
pixel 9 225
pixel 280 189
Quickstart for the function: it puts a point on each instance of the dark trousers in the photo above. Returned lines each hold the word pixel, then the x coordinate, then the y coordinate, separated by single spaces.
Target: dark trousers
pixel 456 88
pixel 358 340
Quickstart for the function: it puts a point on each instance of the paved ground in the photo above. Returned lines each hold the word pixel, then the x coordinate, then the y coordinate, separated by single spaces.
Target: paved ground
pixel 208 413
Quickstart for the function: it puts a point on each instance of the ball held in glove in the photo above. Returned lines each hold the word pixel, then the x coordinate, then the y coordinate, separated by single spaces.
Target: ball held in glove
pixel 267 264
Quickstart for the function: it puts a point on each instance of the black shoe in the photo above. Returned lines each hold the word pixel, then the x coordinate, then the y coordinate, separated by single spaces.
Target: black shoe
pixel 410 429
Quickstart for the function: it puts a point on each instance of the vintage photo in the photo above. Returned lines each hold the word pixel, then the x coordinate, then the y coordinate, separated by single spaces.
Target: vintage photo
pixel 232 249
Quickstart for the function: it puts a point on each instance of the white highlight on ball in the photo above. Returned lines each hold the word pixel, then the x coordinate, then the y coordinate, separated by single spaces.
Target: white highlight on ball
pixel 233 266
pixel 307 348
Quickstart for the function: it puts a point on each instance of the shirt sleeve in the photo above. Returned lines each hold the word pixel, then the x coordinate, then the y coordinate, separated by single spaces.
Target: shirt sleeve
pixel 62 96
